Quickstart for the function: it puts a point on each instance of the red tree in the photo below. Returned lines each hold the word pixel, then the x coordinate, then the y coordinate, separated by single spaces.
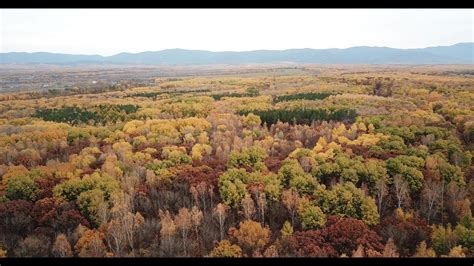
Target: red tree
pixel 45 212
pixel 69 219
pixel 341 235
pixel 15 216
pixel 406 232
pixel 311 244
pixel 193 176
pixel 46 186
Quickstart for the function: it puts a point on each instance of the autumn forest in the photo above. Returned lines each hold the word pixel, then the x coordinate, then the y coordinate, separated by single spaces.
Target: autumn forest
pixel 272 161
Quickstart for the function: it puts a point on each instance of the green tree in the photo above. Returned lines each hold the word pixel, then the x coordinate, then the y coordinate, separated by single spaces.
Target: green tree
pixel 89 203
pixel 375 171
pixel 232 186
pixel 251 120
pixel 248 158
pixel 305 184
pixel 409 168
pixel 450 173
pixel 465 233
pixel 252 92
pixel 443 239
pixel 22 187
pixel 72 188
pixel 293 175
pixel 271 182
pixel 348 200
pixel 311 216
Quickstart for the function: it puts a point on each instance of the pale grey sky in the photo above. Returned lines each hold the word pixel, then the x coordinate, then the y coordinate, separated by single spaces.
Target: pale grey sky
pixel 111 31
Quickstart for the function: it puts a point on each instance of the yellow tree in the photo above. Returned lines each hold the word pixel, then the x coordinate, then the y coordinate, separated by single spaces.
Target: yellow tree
pixel 457 252
pixel 251 236
pixel 199 151
pixel 3 253
pixel 91 244
pixel 423 252
pixel 226 250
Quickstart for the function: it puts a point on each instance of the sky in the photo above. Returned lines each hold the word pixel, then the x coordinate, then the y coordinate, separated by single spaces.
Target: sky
pixel 111 31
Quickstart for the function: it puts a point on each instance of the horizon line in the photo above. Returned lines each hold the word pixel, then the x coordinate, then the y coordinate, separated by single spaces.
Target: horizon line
pixel 228 51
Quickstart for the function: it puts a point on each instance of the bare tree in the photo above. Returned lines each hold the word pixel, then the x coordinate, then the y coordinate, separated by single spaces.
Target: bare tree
pixel 262 205
pixel 61 247
pixel 183 223
pixel 220 213
pixel 196 219
pixel 103 212
pixel 457 202
pixel 248 207
pixel 211 194
pixel 167 231
pixel 291 200
pixel 124 225
pixel 401 190
pixel 382 88
pixel 115 237
pixel 382 191
pixel 202 192
pixel 431 194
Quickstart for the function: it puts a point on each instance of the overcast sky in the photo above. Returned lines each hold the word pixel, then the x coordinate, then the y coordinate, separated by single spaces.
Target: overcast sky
pixel 111 31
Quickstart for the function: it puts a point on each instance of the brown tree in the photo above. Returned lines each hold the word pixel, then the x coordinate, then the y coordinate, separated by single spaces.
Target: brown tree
pixel 61 247
pixel 33 246
pixel 390 249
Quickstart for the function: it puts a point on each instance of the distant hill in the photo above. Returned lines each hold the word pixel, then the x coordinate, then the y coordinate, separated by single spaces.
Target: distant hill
pixel 461 53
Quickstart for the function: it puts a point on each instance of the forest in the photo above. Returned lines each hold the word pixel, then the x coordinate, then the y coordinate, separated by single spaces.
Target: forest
pixel 313 161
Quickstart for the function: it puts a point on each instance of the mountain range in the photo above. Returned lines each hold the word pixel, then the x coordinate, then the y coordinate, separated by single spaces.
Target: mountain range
pixel 461 53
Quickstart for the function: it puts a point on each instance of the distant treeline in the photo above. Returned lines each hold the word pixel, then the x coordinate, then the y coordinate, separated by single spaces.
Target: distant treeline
pixel 99 114
pixel 69 90
pixel 303 96
pixel 154 95
pixel 303 116
pixel 251 92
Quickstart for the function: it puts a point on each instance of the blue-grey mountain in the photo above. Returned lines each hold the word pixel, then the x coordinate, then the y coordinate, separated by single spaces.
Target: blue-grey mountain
pixel 461 53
